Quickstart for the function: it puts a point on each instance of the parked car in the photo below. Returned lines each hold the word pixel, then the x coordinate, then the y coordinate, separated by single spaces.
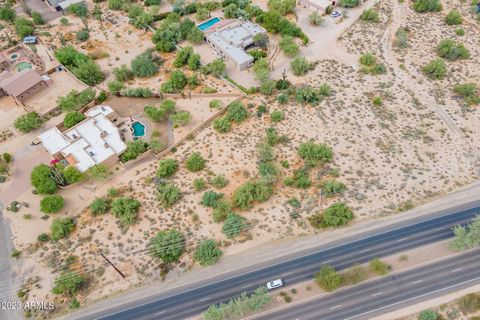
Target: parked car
pixel 336 14
pixel 274 284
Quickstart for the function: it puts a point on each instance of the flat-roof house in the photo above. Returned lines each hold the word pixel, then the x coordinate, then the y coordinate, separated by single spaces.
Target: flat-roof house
pixel 318 5
pixel 93 141
pixel 21 85
pixel 231 39
pixel 64 5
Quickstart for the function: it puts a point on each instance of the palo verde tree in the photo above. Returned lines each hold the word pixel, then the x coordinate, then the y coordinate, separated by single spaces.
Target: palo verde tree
pixel 167 245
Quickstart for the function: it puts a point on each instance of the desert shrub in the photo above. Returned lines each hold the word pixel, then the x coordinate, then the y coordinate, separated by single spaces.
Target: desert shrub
pixel 466 237
pixel 469 303
pixel 300 66
pixel 336 215
pixel 315 154
pixel 207 253
pixel 168 195
pixel 211 198
pixel 68 283
pixel 61 228
pixel 427 6
pixel 367 59
pixel 42 179
pixel 469 92
pixel 176 82
pixel 222 125
pixel 332 187
pixel 98 172
pixel 37 18
pixel 354 275
pixel 167 167
pixel 122 73
pixel 43 237
pixel 274 22
pixel 136 92
pixel 80 65
pixel 460 32
pixel 145 64
pixel 202 14
pixel 167 245
pixel 28 122
pixel 134 149
pixel 378 266
pixel 453 18
pixel 234 224
pixel 75 100
pixel 281 6
pixel 195 162
pixel 72 174
pixel 126 210
pixel 199 184
pixel 236 112
pixel 78 9
pixel 82 35
pixel 116 4
pixel 327 278
pixel 99 206
pixel 23 27
pixel 262 69
pixel 277 116
pixel 315 18
pixel 452 51
pixel 7 157
pixel 428 315
pixel 180 118
pixel 435 69
pixel 288 46
pixel 51 204
pixel 246 194
pixel 72 118
pixel 7 13
pixel 401 38
pixel 221 211
pixel 182 56
pixel 370 15
pixel 219 182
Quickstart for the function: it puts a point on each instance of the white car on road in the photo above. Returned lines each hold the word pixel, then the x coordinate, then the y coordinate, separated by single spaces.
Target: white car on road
pixel 336 14
pixel 274 284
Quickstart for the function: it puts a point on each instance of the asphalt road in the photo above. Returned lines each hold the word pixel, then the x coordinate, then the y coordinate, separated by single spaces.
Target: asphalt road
pixel 393 292
pixel 187 301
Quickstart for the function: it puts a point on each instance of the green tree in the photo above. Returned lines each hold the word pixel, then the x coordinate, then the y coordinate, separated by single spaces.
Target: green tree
pixel 23 27
pixel 234 224
pixel 211 198
pixel 327 278
pixel 202 14
pixel 72 174
pixel 194 61
pixel 182 56
pixel 28 122
pixel 37 18
pixel 288 46
pixel 167 245
pixel 126 209
pixel 167 167
pixel 262 69
pixel 236 112
pixel 89 72
pixel 42 179
pixel 222 125
pixel 195 162
pixel 217 67
pixel 336 215
pixel 61 228
pixel 99 206
pixel 72 118
pixel 435 69
pixel 122 73
pixel 51 204
pixel 143 65
pixel 428 315
pixel 315 154
pixel 282 6
pixel 300 66
pixel 134 149
pixel 68 283
pixel 78 9
pixel 378 266
pixel 7 13
pixel 207 253
pixel 168 195
pixel 466 237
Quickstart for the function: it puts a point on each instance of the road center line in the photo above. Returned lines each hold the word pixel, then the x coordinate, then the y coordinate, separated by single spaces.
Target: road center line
pixel 328 261
pixel 248 285
pixel 418 281
pixel 403 239
pixel 438 229
pixel 365 250
pixel 286 274
pixel 336 307
pixel 458 269
pixel 204 299
pixel 377 294
pixel 156 314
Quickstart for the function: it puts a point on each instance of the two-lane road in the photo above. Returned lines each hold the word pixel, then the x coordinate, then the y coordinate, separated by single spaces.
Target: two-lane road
pixel 191 300
pixel 393 292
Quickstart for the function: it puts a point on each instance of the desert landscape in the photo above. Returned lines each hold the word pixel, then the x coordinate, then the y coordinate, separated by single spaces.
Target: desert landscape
pixel 398 138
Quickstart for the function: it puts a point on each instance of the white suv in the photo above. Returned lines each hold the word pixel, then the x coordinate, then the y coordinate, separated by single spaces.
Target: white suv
pixel 274 284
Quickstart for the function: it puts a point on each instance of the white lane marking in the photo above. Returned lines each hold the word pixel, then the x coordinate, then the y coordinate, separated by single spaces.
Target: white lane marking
pixel 336 307
pixel 456 270
pixel 410 299
pixel 438 229
pixel 377 294
pixel 328 261
pixel 286 274
pixel 156 314
pixel 418 281
pixel 204 299
pixel 248 285
pixel 403 239
pixel 365 250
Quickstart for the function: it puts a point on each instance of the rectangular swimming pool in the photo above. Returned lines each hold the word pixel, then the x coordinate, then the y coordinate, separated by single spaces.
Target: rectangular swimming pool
pixel 208 24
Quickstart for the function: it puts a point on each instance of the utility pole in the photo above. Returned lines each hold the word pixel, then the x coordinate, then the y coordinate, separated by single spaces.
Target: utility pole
pixel 114 267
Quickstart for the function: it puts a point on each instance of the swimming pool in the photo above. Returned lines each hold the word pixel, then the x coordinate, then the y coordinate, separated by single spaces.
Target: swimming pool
pixel 208 24
pixel 23 65
pixel 138 129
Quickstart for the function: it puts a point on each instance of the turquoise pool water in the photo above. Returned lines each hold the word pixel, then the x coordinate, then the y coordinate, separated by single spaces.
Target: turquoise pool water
pixel 208 24
pixel 138 129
